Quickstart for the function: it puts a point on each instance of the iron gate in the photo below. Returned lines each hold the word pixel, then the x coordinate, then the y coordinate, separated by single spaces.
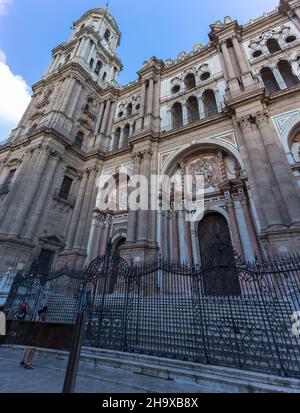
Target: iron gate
pixel 163 308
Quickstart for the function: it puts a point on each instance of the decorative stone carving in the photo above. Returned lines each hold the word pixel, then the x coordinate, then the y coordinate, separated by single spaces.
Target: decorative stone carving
pixel 278 34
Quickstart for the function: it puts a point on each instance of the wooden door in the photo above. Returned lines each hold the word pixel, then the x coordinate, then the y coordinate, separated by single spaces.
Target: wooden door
pixel 217 257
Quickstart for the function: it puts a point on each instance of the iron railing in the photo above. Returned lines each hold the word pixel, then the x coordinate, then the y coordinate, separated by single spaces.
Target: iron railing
pixel 237 316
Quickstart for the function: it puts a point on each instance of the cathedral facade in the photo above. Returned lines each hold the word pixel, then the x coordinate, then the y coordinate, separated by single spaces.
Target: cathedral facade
pixel 228 111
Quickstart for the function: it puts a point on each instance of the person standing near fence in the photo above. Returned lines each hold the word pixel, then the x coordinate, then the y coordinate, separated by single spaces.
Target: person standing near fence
pixel 30 352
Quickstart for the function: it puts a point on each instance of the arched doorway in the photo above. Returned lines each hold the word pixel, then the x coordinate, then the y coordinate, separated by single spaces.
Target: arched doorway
pixel 119 245
pixel 217 257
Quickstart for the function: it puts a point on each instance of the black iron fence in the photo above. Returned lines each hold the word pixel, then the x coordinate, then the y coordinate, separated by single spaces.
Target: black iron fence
pixel 240 316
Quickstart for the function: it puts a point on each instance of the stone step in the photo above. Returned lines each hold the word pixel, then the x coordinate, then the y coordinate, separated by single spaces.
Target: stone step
pixel 189 371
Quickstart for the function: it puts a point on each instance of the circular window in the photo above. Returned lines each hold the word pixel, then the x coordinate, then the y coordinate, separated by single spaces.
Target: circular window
pixel 176 89
pixel 290 39
pixel 257 53
pixel 121 114
pixel 205 76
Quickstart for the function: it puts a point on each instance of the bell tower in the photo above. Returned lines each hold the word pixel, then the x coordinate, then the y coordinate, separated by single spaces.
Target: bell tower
pixel 93 44
pixel 52 161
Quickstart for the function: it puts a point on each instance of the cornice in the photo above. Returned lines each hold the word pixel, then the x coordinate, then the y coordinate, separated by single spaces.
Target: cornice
pixel 101 12
pixel 204 54
pixel 73 68
pixel 194 126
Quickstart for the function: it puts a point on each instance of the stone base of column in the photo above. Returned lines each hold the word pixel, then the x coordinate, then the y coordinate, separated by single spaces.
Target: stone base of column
pixel 248 81
pixel 280 242
pixel 148 122
pixel 234 86
pixel 15 254
pixel 75 259
pixel 135 252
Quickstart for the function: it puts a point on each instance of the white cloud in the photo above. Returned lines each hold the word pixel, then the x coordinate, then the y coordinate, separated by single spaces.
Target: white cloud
pixel 14 98
pixel 3 6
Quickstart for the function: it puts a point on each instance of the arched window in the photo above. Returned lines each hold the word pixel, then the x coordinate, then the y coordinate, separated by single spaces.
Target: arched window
pixel 175 89
pixel 294 143
pixel 68 58
pixel 79 140
pixel 133 128
pixel 33 127
pixel 126 134
pixel 107 35
pixel 92 61
pixel 210 103
pixel 104 76
pixel 115 73
pixel 117 138
pixel 177 117
pixel 273 46
pixel 129 109
pixel 192 109
pixel 98 67
pixel 287 73
pixel 269 80
pixel 190 81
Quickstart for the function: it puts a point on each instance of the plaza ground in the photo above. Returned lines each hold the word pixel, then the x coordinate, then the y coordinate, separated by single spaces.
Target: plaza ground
pixel 48 377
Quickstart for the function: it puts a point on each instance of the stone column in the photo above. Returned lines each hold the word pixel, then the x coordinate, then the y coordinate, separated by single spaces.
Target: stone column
pixel 9 208
pixel 150 97
pixel 121 142
pixel 75 100
pixel 228 61
pixel 188 241
pixel 39 206
pixel 111 117
pixel 195 244
pixel 61 88
pixel 132 215
pixel 185 116
pixel 279 78
pixel 30 193
pixel 175 236
pixel 101 234
pixel 282 171
pixel 143 98
pixel 251 229
pixel 143 216
pixel 240 56
pixel 182 243
pixel 201 107
pixel 82 50
pixel 106 232
pixel 77 211
pixel 262 187
pixel 139 123
pixel 69 90
pixel 79 236
pixel 156 109
pixel 99 118
pixel 234 227
pixel 160 231
pixel 105 117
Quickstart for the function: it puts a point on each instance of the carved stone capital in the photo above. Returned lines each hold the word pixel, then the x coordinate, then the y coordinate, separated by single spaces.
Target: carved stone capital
pixel 246 122
pixel 262 118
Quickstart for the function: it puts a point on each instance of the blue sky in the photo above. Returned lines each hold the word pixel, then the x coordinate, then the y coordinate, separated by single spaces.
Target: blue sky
pixel 29 29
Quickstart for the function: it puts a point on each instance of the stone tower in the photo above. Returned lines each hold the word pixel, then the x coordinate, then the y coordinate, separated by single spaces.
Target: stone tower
pixel 53 159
